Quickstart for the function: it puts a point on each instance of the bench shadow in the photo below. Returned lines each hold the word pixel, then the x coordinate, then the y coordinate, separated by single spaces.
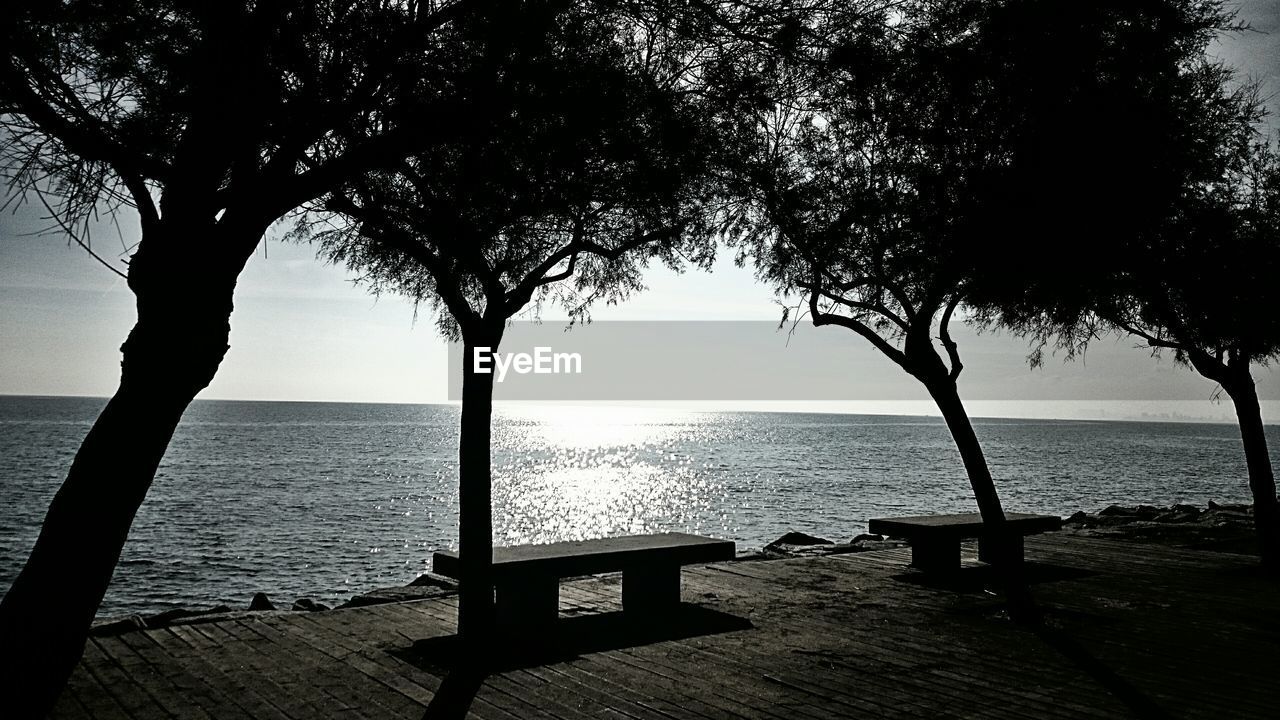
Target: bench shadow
pixel 449 658
pixel 571 637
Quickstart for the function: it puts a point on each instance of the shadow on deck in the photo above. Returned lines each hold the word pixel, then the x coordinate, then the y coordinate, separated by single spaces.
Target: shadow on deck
pixel 1127 631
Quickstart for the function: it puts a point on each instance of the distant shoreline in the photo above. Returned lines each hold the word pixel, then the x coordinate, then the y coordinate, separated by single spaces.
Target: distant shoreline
pixel 1162 411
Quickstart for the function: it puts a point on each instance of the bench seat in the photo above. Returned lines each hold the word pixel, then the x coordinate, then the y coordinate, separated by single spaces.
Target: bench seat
pixel 935 539
pixel 526 577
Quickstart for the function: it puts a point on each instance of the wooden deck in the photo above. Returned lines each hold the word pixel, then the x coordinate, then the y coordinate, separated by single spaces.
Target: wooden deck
pixel 1130 630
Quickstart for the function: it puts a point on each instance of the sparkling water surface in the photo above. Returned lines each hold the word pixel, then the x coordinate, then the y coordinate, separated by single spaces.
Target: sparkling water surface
pixel 326 500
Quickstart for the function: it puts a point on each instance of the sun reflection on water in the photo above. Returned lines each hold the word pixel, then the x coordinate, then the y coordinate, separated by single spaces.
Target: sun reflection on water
pixel 580 472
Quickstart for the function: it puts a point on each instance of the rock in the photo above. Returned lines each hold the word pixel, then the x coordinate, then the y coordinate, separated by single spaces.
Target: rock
pixel 309 605
pixel 1179 525
pixel 261 602
pixel 426 585
pixel 120 626
pixel 1113 520
pixel 815 550
pixel 1174 516
pixel 865 543
pixel 164 618
pixel 795 539
pixel 170 617
pixel 434 580
pixel 397 594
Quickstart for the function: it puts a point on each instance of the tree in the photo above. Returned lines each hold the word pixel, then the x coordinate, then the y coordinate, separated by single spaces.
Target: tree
pixel 208 122
pixel 882 188
pixel 1208 292
pixel 582 162
pixel 1198 277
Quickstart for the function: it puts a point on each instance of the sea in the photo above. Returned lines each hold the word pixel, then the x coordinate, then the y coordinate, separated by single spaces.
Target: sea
pixel 329 500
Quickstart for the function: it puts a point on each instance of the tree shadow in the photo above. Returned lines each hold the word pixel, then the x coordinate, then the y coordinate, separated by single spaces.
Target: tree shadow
pixel 975 578
pixel 1061 641
pixel 457 691
pixel 464 667
pixel 1034 617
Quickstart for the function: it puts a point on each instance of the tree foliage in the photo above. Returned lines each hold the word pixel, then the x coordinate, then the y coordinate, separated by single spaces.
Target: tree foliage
pixel 940 152
pixel 937 157
pixel 1152 208
pixel 584 157
pixel 238 108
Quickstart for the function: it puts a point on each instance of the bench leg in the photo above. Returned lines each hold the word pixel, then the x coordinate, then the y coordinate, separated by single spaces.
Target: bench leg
pixel 936 556
pixel 651 589
pixel 994 550
pixel 528 604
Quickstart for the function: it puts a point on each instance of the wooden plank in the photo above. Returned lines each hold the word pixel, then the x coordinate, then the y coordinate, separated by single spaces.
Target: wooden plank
pixel 165 682
pixel 396 674
pixel 1151 629
pixel 337 677
pixel 303 684
pixel 130 692
pixel 250 699
pixel 68 706
pixel 92 695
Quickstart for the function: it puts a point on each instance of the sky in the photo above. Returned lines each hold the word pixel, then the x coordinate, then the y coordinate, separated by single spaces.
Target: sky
pixel 304 330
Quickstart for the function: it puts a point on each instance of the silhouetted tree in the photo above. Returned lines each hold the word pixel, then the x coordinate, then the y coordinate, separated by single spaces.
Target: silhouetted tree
pixel 208 122
pixel 881 185
pixel 1193 269
pixel 1208 291
pixel 582 162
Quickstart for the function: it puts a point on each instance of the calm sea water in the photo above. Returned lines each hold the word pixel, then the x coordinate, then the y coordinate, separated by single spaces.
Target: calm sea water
pixel 327 500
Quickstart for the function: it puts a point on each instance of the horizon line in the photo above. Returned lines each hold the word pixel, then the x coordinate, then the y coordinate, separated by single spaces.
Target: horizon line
pixel 929 411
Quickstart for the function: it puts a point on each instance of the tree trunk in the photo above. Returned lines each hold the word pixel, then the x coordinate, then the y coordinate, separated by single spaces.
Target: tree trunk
pixel 475 497
pixel 1262 482
pixel 1005 555
pixel 171 354
pixel 947 396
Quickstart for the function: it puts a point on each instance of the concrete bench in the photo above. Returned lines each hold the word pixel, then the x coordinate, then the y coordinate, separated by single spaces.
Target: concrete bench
pixel 935 539
pixel 527 577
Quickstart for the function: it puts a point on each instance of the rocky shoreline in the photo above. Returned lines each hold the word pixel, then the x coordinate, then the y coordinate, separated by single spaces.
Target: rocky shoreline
pixel 1222 528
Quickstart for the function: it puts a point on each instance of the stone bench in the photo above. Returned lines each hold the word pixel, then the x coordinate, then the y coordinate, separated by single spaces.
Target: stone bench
pixel 526 577
pixel 935 539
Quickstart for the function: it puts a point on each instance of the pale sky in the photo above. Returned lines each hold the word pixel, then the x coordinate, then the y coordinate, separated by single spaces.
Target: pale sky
pixel 303 331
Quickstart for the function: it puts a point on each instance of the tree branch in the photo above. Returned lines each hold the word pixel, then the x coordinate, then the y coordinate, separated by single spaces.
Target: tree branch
pixel 446 280
pixel 380 150
pixel 83 135
pixel 944 335
pixel 1152 340
pixel 76 238
pixel 877 308
pixel 821 318
pixel 538 277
